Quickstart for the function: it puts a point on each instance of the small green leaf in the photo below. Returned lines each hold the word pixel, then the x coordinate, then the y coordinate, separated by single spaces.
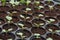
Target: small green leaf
pixel 3 2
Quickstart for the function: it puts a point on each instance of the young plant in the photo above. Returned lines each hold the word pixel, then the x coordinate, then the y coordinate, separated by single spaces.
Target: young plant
pixel 37 2
pixel 37 35
pixel 28 2
pixel 9 18
pixel 40 7
pixel 21 35
pixel 38 25
pixel 56 31
pixel 50 20
pixel 22 1
pixel 49 38
pixel 3 2
pixel 49 1
pixel 7 30
pixel 14 2
pixel 21 25
pixel 51 7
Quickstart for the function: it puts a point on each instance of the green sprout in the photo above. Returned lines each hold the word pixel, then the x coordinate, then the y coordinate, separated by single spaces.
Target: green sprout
pixel 14 2
pixel 49 1
pixel 49 38
pixel 7 30
pixel 22 1
pixel 37 35
pixel 40 7
pixel 21 35
pixel 28 2
pixel 9 18
pixel 22 25
pixel 56 31
pixel 3 2
pixel 50 20
pixel 51 7
pixel 37 2
pixel 38 25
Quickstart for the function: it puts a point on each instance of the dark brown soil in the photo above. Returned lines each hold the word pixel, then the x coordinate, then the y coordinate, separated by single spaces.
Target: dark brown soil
pixel 25 23
pixel 5 36
pixel 10 26
pixel 38 30
pixel 38 22
pixel 2 21
pixel 41 38
pixel 48 19
pixel 53 36
pixel 52 26
pixel 25 33
pixel 26 17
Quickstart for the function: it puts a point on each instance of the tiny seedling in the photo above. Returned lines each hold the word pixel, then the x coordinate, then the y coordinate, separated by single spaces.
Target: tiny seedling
pixel 21 25
pixel 38 25
pixel 14 2
pixel 37 35
pixel 28 2
pixel 3 2
pixel 37 2
pixel 22 1
pixel 51 7
pixel 50 20
pixel 7 30
pixel 49 39
pixel 40 7
pixel 9 18
pixel 21 35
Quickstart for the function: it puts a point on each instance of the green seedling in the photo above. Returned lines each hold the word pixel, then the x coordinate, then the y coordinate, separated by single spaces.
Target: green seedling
pixel 40 7
pixel 49 1
pixel 7 30
pixel 56 31
pixel 22 1
pixel 50 20
pixel 3 2
pixel 9 18
pixel 14 2
pixel 37 35
pixel 37 2
pixel 21 35
pixel 38 25
pixel 49 38
pixel 28 2
pixel 21 25
pixel 51 7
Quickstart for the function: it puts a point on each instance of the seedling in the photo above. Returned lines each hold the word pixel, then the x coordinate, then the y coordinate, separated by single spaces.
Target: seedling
pixel 21 35
pixel 49 38
pixel 14 2
pixel 9 39
pixel 37 2
pixel 49 1
pixel 9 18
pixel 50 20
pixel 37 35
pixel 21 25
pixel 7 30
pixel 38 25
pixel 28 9
pixel 22 1
pixel 40 7
pixel 28 2
pixel 56 31
pixel 51 7
pixel 3 2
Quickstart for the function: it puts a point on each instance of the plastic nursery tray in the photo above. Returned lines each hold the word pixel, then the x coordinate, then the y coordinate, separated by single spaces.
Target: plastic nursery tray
pixel 39 24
